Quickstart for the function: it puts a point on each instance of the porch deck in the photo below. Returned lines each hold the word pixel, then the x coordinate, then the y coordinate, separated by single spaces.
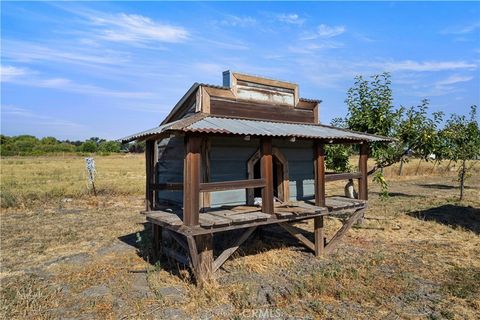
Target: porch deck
pixel 230 218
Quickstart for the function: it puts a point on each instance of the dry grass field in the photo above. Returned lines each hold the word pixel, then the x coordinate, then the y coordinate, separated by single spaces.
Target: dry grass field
pixel 66 254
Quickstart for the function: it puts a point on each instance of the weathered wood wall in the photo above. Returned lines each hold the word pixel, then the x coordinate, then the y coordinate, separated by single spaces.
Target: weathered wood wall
pixel 228 161
pixel 170 168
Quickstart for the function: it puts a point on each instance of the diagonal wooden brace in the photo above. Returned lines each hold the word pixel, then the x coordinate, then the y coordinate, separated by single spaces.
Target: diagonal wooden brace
pixel 231 250
pixel 294 231
pixel 343 230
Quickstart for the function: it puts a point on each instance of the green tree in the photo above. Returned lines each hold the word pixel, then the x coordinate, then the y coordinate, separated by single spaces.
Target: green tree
pixel 49 141
pixel 461 136
pixel 109 146
pixel 25 144
pixel 88 146
pixel 371 110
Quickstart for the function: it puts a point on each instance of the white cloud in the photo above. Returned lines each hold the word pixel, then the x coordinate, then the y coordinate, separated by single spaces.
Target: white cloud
pixel 291 18
pixel 38 119
pixel 237 21
pixel 18 77
pixel 453 80
pixel 26 52
pixel 465 29
pixel 324 31
pixel 133 28
pixel 311 48
pixel 8 73
pixel 428 66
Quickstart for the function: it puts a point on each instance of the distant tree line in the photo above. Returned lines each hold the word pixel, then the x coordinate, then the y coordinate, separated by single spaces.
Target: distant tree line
pixel 27 145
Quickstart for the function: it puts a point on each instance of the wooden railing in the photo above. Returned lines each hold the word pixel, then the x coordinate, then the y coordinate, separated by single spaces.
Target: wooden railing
pixel 342 176
pixel 171 186
pixel 232 185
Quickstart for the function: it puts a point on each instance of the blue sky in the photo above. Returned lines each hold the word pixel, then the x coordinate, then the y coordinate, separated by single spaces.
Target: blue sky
pixel 76 70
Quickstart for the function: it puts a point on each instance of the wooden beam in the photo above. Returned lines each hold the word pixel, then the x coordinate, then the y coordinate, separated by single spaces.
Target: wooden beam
pixel 362 165
pixel 204 268
pixel 191 180
pixel 296 233
pixel 232 185
pixel 178 238
pixel 342 176
pixel 167 186
pixel 319 163
pixel 193 252
pixel 149 173
pixel 319 236
pixel 156 241
pixel 266 169
pixel 180 258
pixel 343 230
pixel 235 245
pixel 205 198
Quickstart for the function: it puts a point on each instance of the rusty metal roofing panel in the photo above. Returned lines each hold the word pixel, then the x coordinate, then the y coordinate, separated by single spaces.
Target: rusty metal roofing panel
pixel 205 123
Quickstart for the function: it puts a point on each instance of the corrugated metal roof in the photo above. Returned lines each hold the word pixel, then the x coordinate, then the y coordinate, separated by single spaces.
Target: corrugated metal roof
pixel 225 125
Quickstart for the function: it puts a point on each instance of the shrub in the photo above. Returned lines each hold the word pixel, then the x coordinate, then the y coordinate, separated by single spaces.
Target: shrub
pixel 7 200
pixel 88 146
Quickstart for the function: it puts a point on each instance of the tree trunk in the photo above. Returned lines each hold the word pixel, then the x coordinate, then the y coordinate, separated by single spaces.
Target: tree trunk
pixel 433 168
pixel 462 178
pixel 400 171
pixel 448 165
pixel 418 167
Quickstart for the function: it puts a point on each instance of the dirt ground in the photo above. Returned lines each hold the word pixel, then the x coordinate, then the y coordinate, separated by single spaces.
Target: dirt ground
pixel 68 255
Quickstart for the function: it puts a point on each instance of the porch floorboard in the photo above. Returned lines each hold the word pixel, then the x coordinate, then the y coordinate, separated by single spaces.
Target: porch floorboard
pixel 230 218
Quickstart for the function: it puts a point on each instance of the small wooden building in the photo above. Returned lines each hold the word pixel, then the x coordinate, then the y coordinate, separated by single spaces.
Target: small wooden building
pixel 239 156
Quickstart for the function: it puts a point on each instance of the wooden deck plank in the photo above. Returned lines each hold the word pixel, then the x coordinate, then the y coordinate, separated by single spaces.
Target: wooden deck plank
pixel 165 217
pixel 209 220
pixel 231 218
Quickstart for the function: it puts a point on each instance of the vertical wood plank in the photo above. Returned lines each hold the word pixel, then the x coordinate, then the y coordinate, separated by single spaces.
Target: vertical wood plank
pixel 362 165
pixel 266 168
pixel 204 270
pixel 157 241
pixel 319 236
pixel 149 169
pixel 205 196
pixel 154 178
pixel 319 163
pixel 191 180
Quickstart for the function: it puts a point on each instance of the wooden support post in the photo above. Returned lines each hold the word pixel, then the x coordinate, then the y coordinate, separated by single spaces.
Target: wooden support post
pixel 362 165
pixel 266 168
pixel 319 236
pixel 156 241
pixel 191 180
pixel 319 162
pixel 205 196
pixel 204 268
pixel 149 174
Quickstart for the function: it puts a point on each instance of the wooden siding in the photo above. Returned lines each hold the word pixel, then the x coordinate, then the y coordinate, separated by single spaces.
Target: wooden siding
pixel 228 161
pixel 170 168
pixel 300 162
pixel 264 111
